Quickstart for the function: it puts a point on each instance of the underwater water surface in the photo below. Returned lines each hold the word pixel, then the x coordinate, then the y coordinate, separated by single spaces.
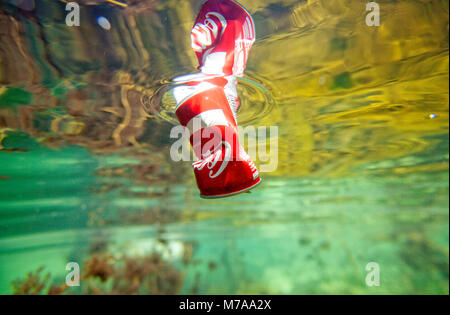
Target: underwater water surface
pixel 362 166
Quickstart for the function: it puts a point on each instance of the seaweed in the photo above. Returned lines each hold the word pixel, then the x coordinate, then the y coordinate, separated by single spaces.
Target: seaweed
pixel 34 283
pixel 105 274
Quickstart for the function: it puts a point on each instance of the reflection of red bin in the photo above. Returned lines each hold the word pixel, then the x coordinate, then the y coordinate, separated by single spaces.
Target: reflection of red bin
pixel 224 168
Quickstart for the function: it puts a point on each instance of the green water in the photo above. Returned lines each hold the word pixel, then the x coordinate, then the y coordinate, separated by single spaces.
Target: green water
pixel 363 155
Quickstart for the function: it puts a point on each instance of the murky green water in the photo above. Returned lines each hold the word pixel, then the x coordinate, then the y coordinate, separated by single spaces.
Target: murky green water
pixel 362 112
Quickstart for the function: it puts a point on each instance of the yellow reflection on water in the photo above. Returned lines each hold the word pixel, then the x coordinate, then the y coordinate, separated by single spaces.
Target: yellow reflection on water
pixel 350 94
pixel 347 94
